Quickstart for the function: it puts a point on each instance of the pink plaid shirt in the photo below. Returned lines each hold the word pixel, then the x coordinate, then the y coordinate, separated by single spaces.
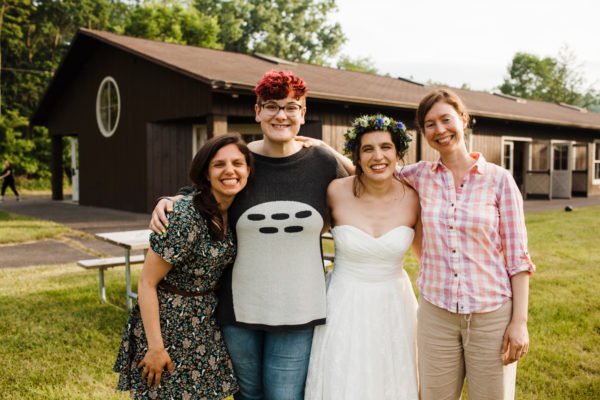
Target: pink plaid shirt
pixel 474 238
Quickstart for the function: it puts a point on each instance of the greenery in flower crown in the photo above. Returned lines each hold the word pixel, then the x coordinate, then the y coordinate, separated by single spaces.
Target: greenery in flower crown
pixel 376 122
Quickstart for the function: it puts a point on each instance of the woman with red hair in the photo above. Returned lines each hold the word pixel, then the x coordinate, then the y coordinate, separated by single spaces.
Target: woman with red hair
pixel 274 296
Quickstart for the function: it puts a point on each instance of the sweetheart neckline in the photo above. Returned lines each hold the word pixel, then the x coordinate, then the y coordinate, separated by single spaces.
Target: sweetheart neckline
pixel 371 236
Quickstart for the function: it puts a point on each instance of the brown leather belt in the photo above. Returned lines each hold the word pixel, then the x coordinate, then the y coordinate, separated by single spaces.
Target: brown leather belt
pixel 167 287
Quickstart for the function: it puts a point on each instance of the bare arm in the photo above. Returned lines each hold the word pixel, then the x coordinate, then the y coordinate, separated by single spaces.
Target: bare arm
pixel 159 221
pixel 417 244
pixel 157 358
pixel 516 337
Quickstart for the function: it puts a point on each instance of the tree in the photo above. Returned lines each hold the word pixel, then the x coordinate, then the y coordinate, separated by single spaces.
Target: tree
pixel 13 14
pixel 170 22
pixel 297 30
pixel 358 64
pixel 549 79
pixel 34 36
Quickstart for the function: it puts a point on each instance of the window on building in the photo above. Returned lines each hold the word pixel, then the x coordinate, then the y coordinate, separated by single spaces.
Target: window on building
pixel 507 160
pixel 539 157
pixel 580 157
pixel 561 157
pixel 108 106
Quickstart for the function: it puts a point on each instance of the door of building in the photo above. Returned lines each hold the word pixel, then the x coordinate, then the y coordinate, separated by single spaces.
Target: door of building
pixel 561 169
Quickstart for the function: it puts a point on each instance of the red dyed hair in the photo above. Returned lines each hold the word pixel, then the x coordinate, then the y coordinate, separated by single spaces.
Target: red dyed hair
pixel 277 85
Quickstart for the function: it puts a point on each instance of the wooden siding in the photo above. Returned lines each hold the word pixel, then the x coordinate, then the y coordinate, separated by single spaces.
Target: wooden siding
pixel 168 159
pixel 489 145
pixel 113 170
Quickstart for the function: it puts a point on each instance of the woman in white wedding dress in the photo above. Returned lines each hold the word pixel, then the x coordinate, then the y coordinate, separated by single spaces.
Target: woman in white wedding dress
pixel 367 348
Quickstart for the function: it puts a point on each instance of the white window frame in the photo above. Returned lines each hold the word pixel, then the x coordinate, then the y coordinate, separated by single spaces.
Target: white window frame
pixel 595 162
pixel 103 130
pixel 514 139
pixel 511 160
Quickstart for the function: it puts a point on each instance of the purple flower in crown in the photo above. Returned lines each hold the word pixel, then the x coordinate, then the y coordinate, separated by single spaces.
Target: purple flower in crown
pixel 400 125
pixel 379 122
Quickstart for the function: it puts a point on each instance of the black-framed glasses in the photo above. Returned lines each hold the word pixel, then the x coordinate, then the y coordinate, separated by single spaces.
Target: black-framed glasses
pixel 290 109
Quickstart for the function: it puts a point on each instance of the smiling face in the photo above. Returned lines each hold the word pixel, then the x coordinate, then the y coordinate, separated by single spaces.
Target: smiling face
pixel 378 155
pixel 280 127
pixel 228 172
pixel 444 128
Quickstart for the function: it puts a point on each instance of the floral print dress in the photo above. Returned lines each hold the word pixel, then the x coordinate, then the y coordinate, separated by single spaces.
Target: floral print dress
pixel 203 369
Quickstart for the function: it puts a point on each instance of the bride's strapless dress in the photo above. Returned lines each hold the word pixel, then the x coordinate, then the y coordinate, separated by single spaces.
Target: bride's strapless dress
pixel 367 349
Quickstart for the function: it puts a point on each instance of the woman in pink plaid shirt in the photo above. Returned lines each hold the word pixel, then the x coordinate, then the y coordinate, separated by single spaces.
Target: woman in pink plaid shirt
pixel 474 274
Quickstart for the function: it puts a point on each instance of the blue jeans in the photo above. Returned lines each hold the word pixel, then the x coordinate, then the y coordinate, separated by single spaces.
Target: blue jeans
pixel 269 365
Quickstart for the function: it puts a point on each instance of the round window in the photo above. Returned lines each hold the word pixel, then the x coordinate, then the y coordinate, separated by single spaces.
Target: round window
pixel 108 107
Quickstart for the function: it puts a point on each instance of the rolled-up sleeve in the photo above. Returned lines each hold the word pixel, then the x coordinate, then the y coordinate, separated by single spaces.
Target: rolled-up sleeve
pixel 513 233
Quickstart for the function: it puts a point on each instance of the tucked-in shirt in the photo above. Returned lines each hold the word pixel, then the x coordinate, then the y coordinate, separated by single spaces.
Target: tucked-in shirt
pixel 474 236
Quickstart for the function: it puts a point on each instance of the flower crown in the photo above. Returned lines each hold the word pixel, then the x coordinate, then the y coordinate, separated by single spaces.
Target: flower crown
pixel 375 122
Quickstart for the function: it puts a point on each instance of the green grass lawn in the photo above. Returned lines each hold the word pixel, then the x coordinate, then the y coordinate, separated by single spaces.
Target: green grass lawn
pixel 58 341
pixel 16 228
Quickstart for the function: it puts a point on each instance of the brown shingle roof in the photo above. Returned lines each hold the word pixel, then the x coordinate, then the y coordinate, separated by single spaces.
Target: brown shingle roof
pixel 243 71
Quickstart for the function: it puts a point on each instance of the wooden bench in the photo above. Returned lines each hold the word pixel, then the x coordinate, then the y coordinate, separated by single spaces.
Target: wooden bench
pixel 102 264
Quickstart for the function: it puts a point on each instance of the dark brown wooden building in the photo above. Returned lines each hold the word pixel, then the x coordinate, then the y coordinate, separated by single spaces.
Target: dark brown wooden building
pixel 136 111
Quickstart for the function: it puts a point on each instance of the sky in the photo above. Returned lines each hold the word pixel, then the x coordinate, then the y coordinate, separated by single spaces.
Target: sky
pixel 469 41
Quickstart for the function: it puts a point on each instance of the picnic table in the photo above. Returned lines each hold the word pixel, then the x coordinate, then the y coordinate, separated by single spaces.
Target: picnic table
pixel 128 240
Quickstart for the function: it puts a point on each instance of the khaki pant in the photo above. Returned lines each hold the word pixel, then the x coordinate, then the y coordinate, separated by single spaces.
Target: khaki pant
pixel 451 346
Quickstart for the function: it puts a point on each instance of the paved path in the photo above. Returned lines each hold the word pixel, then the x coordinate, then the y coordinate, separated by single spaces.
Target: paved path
pixel 95 219
pixel 67 249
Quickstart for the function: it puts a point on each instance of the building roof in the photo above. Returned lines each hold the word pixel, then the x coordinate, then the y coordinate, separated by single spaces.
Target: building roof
pixel 234 71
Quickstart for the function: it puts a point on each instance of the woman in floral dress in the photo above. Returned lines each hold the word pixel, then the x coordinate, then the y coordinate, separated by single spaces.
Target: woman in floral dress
pixel 172 347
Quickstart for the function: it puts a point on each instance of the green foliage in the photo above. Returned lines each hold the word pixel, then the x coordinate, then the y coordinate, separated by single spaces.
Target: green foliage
pixel 34 38
pixel 550 79
pixel 29 154
pixel 297 30
pixel 358 64
pixel 170 22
